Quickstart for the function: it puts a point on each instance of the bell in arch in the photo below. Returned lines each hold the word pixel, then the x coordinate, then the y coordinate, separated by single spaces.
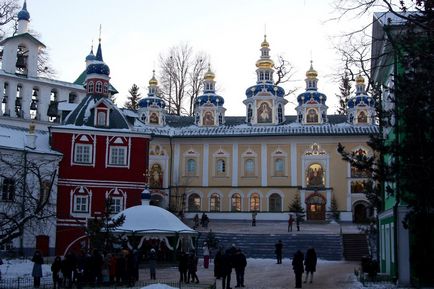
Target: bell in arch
pixel 34 104
pixel 52 109
pixel 21 61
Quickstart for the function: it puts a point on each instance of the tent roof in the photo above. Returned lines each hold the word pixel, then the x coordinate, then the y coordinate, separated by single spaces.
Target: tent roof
pixel 151 220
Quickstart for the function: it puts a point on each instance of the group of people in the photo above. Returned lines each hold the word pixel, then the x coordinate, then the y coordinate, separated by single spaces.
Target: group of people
pixel 187 267
pixel 309 261
pixel 224 261
pixel 204 221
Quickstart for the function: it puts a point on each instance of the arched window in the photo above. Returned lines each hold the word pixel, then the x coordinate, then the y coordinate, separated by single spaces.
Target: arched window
pixel 275 203
pixel 236 203
pixel 194 203
pixel 249 167
pixel 191 167
pixel 214 203
pixel 249 113
pixel 280 113
pixel 98 87
pixel 254 202
pixel 101 118
pixel 90 87
pixel 312 116
pixel 315 176
pixel 221 166
pixel 279 167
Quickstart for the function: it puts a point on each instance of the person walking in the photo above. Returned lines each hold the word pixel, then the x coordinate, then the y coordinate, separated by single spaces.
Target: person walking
pixel 290 222
pixel 297 266
pixel 240 264
pixel 226 269
pixel 297 222
pixel 218 260
pixel 55 269
pixel 183 267
pixel 310 263
pixel 192 267
pixel 152 263
pixel 254 214
pixel 205 250
pixel 37 269
pixel 278 250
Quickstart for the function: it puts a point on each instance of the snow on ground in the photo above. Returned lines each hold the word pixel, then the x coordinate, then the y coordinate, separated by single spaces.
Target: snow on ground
pixel 21 268
pixel 260 274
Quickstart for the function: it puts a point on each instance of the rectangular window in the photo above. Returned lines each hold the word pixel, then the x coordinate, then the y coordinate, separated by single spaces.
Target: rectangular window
pixel 81 204
pixel 83 154
pixel 118 156
pixel 8 189
pixel 116 206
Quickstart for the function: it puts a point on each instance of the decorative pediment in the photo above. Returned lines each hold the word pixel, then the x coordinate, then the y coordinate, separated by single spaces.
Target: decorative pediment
pixel 157 150
pixel 315 150
pixel 249 153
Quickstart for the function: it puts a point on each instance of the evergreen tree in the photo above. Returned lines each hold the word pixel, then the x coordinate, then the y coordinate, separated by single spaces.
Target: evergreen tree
pixel 295 205
pixel 133 100
pixel 334 211
pixel 345 89
pixel 100 228
pixel 212 240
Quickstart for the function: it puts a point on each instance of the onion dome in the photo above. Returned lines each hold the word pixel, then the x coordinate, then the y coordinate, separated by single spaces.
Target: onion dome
pixel 265 62
pixel 153 99
pixel 361 98
pixel 209 96
pixel 98 66
pixel 24 14
pixel 311 73
pixel 265 88
pixel 90 56
pixel 265 42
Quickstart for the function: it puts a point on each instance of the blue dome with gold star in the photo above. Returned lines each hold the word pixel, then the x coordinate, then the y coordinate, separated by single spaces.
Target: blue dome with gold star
pixel 98 66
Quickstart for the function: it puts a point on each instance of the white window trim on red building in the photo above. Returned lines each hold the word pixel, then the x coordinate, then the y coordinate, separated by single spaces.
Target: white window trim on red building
pixel 80 192
pixel 81 140
pixel 118 142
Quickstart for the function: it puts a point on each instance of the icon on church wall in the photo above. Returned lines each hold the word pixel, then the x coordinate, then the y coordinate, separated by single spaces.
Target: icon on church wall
pixel 312 116
pixel 315 176
pixel 264 113
pixel 208 118
pixel 153 118
pixel 362 117
pixel 156 177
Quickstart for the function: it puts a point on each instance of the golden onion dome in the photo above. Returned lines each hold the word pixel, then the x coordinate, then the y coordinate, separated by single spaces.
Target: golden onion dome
pixel 311 73
pixel 209 75
pixel 360 79
pixel 153 80
pixel 265 63
pixel 265 43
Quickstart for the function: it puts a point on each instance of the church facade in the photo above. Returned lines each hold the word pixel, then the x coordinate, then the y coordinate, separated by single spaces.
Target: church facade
pixel 226 166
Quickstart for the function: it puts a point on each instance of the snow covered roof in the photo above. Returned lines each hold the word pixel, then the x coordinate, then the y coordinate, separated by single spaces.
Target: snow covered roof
pixel 14 138
pixel 183 126
pixel 149 220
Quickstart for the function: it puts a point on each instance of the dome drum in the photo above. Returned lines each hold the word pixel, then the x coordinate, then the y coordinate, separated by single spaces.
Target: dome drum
pixel 215 99
pixel 361 100
pixel 152 102
pixel 270 88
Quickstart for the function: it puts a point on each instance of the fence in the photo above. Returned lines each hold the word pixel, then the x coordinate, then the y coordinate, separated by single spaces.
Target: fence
pixel 47 283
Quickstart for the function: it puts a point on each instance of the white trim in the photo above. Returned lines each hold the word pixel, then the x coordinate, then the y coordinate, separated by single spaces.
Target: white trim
pixel 264 166
pixel 205 165
pixel 293 164
pixel 235 165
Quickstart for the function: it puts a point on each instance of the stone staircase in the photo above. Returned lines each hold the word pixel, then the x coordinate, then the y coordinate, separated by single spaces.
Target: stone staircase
pixel 327 246
pixel 355 246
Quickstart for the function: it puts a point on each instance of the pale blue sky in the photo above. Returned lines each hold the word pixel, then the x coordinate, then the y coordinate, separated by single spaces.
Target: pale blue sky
pixel 135 32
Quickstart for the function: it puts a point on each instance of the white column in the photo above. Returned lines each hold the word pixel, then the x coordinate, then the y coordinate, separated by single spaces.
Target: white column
pixel 293 164
pixel 176 169
pixel 26 99
pixel 235 165
pixel 12 96
pixel 205 165
pixel 2 85
pixel 43 102
pixel 264 165
pixel 302 199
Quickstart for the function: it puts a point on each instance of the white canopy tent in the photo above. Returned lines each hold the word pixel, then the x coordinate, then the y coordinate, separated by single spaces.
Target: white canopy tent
pixel 152 222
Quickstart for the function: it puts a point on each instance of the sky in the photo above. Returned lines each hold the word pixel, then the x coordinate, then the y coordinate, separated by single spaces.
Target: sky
pixel 136 32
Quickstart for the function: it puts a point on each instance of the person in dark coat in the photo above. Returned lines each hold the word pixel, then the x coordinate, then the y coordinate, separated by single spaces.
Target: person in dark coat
pixel 55 269
pixel 183 267
pixel 310 263
pixel 226 269
pixel 37 269
pixel 240 264
pixel 68 266
pixel 297 266
pixel 152 263
pixel 278 250
pixel 218 259
pixel 192 267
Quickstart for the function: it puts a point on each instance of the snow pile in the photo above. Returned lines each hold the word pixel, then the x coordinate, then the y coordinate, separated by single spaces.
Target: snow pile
pixel 158 286
pixel 21 268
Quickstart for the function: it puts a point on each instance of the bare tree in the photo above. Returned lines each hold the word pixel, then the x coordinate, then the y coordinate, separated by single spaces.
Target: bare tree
pixel 27 200
pixel 8 12
pixel 284 73
pixel 181 73
pixel 345 94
